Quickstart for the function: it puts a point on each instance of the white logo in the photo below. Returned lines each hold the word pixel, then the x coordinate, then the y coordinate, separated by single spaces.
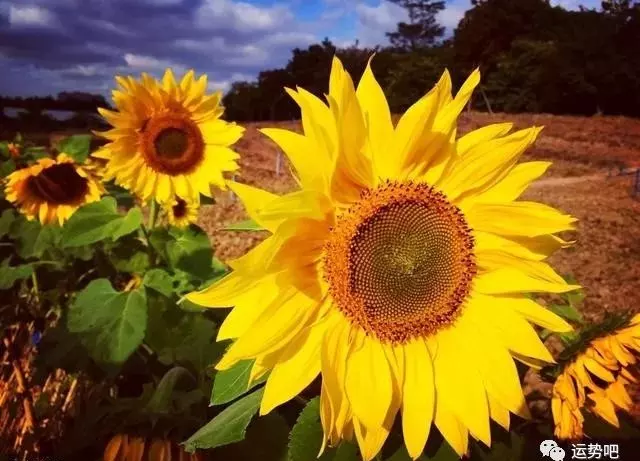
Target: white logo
pixel 551 449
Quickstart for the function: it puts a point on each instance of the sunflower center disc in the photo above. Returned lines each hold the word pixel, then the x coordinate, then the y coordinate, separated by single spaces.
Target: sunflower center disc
pixel 400 261
pixel 172 144
pixel 180 209
pixel 59 184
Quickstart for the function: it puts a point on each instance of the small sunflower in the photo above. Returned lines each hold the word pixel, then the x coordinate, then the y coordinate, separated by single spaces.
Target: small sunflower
pixel 14 150
pixel 124 447
pixel 52 190
pixel 596 380
pixel 180 212
pixel 167 137
pixel 398 271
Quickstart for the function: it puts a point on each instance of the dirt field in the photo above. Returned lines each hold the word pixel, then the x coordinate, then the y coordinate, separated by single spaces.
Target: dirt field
pixel 606 257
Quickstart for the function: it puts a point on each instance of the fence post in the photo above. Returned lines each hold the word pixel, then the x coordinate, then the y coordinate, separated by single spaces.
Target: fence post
pixel 232 196
pixel 278 161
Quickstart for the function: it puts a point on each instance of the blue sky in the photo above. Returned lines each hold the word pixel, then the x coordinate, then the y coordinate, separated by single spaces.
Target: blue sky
pixel 48 46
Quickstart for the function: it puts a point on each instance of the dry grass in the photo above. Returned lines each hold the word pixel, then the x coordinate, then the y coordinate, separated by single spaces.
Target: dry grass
pixel 606 257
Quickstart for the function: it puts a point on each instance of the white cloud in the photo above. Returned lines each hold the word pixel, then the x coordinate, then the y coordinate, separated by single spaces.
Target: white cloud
pixel 143 63
pixel 373 22
pixel 31 15
pixel 241 16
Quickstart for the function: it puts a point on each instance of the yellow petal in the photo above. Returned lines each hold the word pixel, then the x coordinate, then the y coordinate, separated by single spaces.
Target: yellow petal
pixel 375 110
pixel 539 315
pixel 513 331
pixel 513 280
pixel 532 248
pixel 335 349
pixel 368 383
pixel 409 133
pixel 527 219
pixel 480 136
pixel 460 385
pixel 494 363
pixel 220 133
pixel 418 399
pixel 298 365
pixel 486 165
pixel 453 431
pixel 281 321
pixel 598 370
pixel 370 440
pixel 317 122
pixel 514 183
pixel 313 169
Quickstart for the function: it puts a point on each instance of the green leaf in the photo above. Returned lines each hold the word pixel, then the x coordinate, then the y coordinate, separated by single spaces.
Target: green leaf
pixel 305 439
pixel 111 324
pixel 247 225
pixel 76 147
pixel 128 255
pixel 266 440
pixel 566 311
pixel 230 384
pixel 159 280
pixel 11 274
pixel 228 427
pixel 346 451
pixel 7 167
pixel 181 337
pixel 160 402
pixel 509 447
pixel 98 221
pixel 123 196
pixel 36 152
pixel 6 220
pixel 190 250
pixel 33 239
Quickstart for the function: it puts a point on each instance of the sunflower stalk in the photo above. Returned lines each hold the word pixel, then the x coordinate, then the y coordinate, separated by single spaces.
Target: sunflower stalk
pixel 36 291
pixel 153 214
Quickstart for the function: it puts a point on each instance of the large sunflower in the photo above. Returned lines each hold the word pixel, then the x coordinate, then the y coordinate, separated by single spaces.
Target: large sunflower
pixel 168 138
pixel 398 271
pixel 52 190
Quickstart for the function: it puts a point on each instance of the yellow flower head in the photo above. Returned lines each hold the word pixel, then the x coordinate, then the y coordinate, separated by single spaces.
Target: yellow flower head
pixel 181 213
pixel 52 190
pixel 397 271
pixel 596 380
pixel 168 138
pixel 14 150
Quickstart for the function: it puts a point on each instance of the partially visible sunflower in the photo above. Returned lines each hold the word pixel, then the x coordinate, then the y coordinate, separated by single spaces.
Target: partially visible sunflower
pixel 14 150
pixel 180 212
pixel 595 380
pixel 167 138
pixel 123 447
pixel 95 166
pixel 398 271
pixel 52 189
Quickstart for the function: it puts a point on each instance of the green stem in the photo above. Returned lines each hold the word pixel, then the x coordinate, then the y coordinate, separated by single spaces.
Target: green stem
pixel 153 212
pixel 36 291
pixel 153 255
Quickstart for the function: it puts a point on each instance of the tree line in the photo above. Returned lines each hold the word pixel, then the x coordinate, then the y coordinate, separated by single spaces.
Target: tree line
pixel 534 57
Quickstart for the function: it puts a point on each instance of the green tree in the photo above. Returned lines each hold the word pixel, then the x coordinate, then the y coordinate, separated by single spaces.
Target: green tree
pixel 422 30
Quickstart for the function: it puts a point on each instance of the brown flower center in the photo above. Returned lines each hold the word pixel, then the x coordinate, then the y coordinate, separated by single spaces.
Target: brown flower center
pixel 400 261
pixel 172 144
pixel 180 209
pixel 59 184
